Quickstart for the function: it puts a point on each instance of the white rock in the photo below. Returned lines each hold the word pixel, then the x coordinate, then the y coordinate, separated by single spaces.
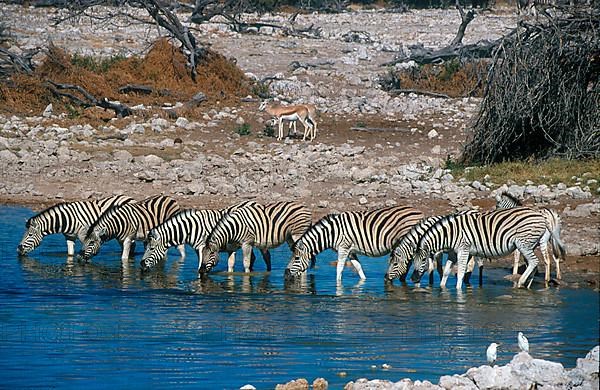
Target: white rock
pixel 432 134
pixel 47 111
pixel 362 200
pixel 181 122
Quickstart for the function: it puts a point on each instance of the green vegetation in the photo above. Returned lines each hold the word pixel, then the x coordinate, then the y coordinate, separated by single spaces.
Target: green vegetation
pixel 551 171
pixel 243 129
pixel 96 64
pixel 269 130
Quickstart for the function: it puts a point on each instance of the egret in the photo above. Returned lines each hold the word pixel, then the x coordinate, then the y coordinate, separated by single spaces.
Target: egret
pixel 523 342
pixel 491 353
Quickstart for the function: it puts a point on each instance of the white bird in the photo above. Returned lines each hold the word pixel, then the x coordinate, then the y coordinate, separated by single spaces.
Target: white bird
pixel 491 353
pixel 523 342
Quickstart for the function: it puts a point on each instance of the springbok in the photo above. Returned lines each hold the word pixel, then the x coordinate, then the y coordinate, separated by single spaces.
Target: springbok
pixel 291 113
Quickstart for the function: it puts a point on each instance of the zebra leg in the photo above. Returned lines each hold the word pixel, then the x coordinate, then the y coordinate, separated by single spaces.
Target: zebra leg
pixel 126 249
pixel 557 263
pixel 70 247
pixel 267 258
pixel 517 256
pixel 341 261
pixel 469 270
pixel 480 263
pixel 463 259
pixel 247 253
pixel 230 261
pixel 280 134
pixel 447 270
pixel 357 266
pixel 181 249
pixel 532 262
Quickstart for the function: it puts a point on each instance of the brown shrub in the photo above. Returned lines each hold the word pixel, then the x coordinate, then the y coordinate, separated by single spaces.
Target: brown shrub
pixel 451 78
pixel 163 68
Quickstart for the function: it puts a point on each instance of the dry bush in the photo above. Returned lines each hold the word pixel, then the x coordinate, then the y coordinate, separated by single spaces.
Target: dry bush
pixel 163 69
pixel 542 96
pixel 453 78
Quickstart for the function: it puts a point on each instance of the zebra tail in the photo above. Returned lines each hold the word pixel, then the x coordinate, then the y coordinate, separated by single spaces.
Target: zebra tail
pixel 558 248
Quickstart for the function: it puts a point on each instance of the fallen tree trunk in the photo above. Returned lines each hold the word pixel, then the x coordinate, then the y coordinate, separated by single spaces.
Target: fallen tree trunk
pixel 87 99
pixel 422 55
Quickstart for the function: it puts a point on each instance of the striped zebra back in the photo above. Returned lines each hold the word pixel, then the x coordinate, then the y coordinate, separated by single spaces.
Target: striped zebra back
pixel 187 226
pixel 112 201
pixel 65 217
pixel 266 226
pixel 376 232
pixel 491 234
pixel 118 221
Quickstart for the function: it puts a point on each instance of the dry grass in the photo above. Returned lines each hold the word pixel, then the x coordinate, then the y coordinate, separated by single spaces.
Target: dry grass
pixel 451 78
pixel 551 171
pixel 163 68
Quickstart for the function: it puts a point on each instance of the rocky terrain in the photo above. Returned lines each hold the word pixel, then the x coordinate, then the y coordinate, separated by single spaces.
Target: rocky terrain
pixel 372 149
pixel 523 372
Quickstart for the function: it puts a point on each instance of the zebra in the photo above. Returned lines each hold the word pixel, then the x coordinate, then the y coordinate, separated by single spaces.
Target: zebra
pixel 189 227
pixel 372 233
pixel 262 226
pixel 507 201
pixel 492 234
pixel 72 219
pixel 401 257
pixel 127 223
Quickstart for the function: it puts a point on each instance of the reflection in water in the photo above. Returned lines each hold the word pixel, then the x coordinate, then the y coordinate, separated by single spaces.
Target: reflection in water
pixel 77 322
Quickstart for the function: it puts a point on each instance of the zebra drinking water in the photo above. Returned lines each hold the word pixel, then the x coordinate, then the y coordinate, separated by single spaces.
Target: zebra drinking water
pixel 262 226
pixel 372 233
pixel 70 218
pixel 188 227
pixel 492 234
pixel 127 223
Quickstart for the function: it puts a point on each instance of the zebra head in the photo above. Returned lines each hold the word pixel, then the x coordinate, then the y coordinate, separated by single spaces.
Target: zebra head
pixel 31 239
pixel 398 265
pixel 209 258
pixel 299 262
pixel 420 264
pixel 92 242
pixel 156 250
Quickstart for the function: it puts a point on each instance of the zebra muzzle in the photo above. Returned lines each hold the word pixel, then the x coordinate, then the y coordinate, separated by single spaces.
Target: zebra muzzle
pixel 416 277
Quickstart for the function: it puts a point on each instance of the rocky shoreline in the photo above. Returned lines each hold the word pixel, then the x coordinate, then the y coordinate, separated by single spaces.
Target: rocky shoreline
pixel 523 372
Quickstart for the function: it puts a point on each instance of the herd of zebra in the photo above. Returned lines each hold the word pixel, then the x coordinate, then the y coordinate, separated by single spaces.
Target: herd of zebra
pixel 402 231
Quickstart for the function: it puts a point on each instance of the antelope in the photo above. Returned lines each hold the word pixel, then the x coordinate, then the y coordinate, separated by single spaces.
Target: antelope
pixel 291 113
pixel 312 113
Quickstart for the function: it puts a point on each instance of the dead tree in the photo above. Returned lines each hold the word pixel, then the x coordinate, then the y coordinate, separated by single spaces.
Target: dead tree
pixel 423 55
pixel 542 96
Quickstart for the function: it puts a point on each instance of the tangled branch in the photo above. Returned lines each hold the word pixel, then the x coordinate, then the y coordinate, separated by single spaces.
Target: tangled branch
pixel 542 96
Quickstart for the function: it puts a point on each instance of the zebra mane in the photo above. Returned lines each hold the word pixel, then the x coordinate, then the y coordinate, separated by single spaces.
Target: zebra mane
pixel 326 218
pixel 513 198
pixel 100 217
pixel 445 218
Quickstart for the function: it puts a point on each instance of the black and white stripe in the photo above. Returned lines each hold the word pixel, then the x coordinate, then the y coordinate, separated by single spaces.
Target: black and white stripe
pixel 507 201
pixel 492 234
pixel 187 227
pixel 371 233
pixel 262 226
pixel 70 218
pixel 127 223
pixel 401 256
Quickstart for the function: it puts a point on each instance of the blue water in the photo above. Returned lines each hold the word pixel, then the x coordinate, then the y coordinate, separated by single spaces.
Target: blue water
pixel 65 324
